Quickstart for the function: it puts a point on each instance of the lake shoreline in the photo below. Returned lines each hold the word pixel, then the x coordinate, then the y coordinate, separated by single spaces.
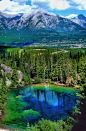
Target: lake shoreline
pixel 55 84
pixel 41 85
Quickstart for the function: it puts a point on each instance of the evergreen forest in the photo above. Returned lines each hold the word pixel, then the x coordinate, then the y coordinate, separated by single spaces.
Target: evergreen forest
pixel 33 65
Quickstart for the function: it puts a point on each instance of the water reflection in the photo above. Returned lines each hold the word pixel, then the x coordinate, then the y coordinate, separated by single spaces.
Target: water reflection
pixel 51 105
pixel 30 104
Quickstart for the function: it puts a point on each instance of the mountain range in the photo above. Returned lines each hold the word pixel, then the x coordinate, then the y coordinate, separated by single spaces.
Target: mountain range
pixel 38 26
pixel 38 19
pixel 80 20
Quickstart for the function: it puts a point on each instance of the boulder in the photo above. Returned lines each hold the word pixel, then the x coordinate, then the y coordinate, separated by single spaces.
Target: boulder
pixel 7 69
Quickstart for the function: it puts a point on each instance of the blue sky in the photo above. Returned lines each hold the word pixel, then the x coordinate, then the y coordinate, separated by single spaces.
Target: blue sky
pixel 65 8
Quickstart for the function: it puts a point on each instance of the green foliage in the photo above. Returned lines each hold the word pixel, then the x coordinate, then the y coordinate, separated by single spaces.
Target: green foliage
pixel 76 110
pixel 14 76
pixel 63 126
pixel 38 80
pixel 32 112
pixel 47 125
pixel 46 63
pixel 8 75
pixel 13 110
pixel 28 127
pixel 81 95
pixel 51 82
pixel 81 88
pixel 26 79
pixel 71 120
pixel 0 105
pixel 11 117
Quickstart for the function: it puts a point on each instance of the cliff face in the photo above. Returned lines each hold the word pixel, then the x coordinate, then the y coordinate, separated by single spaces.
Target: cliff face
pixel 8 72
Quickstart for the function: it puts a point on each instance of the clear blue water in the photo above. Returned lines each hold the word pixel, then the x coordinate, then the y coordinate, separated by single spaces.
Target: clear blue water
pixel 30 104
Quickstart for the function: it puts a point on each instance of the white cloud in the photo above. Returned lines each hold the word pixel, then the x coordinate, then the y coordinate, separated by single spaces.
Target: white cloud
pixel 71 16
pixel 5 4
pixel 20 0
pixel 78 4
pixel 14 7
pixel 59 4
pixel 54 4
pixel 63 4
pixel 20 6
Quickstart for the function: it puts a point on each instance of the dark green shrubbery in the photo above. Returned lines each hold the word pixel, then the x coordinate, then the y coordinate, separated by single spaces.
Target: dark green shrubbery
pixel 38 80
pixel 47 125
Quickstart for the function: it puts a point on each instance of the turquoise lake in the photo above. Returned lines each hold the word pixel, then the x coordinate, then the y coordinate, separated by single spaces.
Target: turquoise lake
pixel 29 104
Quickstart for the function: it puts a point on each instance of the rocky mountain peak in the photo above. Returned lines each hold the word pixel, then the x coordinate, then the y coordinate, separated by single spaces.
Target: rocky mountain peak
pixel 80 20
pixel 81 17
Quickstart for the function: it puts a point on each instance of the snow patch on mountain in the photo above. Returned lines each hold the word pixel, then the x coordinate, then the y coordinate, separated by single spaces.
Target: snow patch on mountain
pixel 80 20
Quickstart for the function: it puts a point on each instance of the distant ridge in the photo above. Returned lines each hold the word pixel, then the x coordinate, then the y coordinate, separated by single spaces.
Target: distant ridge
pixel 80 20
pixel 38 19
pixel 38 26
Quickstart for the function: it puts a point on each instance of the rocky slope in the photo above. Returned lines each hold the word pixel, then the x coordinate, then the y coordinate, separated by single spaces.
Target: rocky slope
pixel 80 20
pixel 38 19
pixel 8 70
pixel 44 20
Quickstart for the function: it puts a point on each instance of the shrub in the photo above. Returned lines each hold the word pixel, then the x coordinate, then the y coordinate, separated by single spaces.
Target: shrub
pixel 38 80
